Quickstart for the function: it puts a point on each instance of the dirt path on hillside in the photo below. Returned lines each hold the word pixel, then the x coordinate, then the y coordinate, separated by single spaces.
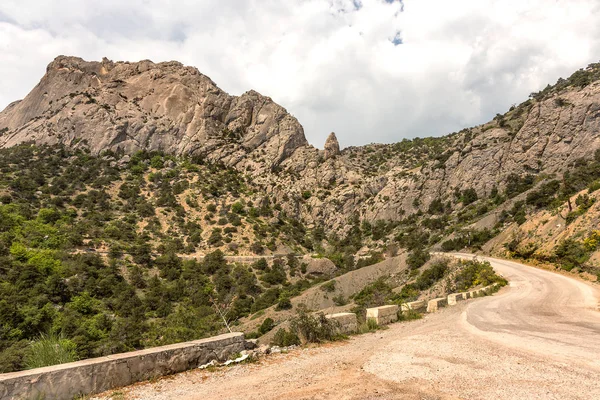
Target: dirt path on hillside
pixel 539 338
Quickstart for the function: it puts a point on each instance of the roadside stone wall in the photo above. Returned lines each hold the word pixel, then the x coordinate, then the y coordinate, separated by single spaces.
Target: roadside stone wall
pixel 66 381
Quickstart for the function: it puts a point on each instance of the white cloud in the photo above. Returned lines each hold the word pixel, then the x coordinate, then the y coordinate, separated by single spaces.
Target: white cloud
pixel 331 63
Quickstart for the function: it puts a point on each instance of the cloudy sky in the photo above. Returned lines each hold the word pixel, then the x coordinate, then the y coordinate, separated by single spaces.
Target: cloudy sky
pixel 370 70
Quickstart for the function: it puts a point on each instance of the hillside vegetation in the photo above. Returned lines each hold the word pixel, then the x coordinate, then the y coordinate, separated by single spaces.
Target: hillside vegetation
pixel 116 235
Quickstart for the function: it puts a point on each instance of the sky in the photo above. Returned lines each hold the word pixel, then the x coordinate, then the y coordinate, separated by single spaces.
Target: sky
pixel 369 70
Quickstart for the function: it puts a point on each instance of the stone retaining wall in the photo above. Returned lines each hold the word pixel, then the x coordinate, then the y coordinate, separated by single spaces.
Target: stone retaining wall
pixel 97 375
pixel 347 322
pixel 383 315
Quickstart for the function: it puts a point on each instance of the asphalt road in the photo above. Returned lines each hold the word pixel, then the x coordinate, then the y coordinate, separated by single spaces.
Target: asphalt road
pixel 538 338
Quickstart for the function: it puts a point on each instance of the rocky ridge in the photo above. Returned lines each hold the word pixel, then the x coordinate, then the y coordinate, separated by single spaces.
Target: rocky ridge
pixel 168 107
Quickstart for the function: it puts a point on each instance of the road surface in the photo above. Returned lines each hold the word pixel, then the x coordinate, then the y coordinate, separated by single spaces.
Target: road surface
pixel 538 338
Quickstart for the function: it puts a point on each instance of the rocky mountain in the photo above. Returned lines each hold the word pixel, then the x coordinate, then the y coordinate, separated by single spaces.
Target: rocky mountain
pixel 126 107
pixel 146 106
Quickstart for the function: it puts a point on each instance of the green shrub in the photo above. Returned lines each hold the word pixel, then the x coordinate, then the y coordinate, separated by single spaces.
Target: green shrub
pixel 516 184
pixel 370 325
pixel 157 162
pixel 470 238
pixel 260 264
pixel 267 325
pixel 409 292
pixel 521 251
pixel 436 207
pixel 595 185
pixel 474 273
pixel 313 329
pixel 417 258
pixel 432 274
pixel 409 315
pixel 328 287
pixel 340 300
pixel 543 196
pixel 267 299
pixel 215 239
pixel 257 248
pixel 252 335
pixel 560 102
pixel 571 254
pixel 237 208
pixel 275 276
pixel 285 338
pixel 284 303
pixel 374 294
pixel 468 196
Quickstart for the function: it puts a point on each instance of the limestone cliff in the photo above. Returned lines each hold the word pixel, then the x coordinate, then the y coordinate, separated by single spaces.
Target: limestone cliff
pixel 168 107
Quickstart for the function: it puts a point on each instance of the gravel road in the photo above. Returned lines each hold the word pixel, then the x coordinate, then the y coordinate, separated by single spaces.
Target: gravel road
pixel 538 338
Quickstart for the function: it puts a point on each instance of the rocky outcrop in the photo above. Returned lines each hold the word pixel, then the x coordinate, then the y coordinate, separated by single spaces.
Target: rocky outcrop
pixel 332 146
pixel 164 107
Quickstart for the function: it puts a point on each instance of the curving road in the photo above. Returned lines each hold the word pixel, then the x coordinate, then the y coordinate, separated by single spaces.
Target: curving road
pixel 538 338
pixel 542 312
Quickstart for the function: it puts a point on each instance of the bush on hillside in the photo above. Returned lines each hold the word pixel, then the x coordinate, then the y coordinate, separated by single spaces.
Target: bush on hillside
pixel 267 325
pixel 417 258
pixel 571 253
pixel 474 273
pixel 285 338
pixel 313 328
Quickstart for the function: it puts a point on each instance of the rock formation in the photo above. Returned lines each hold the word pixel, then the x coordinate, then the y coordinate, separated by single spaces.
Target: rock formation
pixel 166 107
pixel 332 146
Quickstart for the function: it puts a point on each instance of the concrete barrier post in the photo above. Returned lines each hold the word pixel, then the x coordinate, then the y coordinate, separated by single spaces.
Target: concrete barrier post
pixel 346 322
pixel 383 315
pixel 454 298
pixel 435 304
pixel 419 305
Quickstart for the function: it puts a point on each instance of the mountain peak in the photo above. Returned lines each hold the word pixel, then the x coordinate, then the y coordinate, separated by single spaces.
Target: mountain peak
pixel 169 107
